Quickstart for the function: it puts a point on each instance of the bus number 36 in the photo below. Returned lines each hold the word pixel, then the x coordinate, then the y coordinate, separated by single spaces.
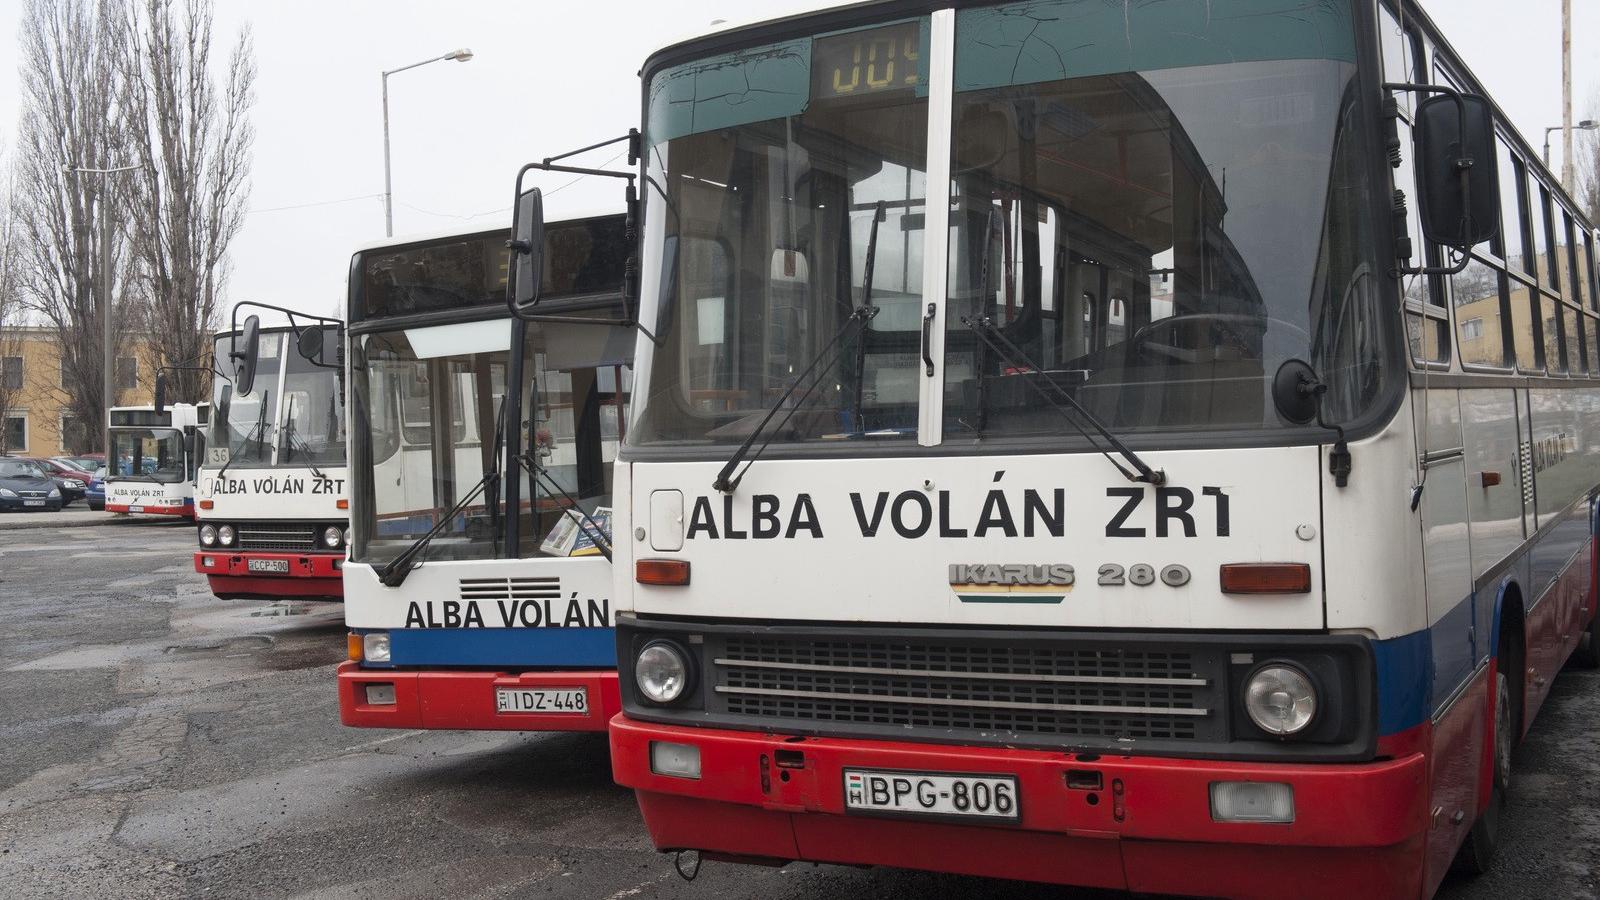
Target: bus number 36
pixel 1143 574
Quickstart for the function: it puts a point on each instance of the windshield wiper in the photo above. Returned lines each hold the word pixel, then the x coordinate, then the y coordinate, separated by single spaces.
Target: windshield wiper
pixel 1032 372
pixel 726 481
pixel 585 521
pixel 291 437
pixel 261 423
pixel 394 574
pixel 866 301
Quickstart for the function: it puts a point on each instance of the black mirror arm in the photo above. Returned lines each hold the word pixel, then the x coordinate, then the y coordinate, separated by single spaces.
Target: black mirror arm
pixel 294 323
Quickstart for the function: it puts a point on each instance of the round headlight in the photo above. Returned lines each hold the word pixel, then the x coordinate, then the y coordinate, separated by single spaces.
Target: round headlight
pixel 1280 699
pixel 225 535
pixel 661 672
pixel 332 537
pixel 208 535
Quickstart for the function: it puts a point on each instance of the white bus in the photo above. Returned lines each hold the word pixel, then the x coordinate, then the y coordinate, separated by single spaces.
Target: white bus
pixel 154 457
pixel 1061 458
pixel 476 600
pixel 271 500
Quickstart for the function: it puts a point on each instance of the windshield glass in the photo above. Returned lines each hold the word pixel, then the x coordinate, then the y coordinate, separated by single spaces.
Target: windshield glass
pixel 16 469
pixel 1159 238
pixel 426 401
pixel 149 454
pixel 1169 205
pixel 574 404
pixel 243 430
pixel 774 162
pixel 313 417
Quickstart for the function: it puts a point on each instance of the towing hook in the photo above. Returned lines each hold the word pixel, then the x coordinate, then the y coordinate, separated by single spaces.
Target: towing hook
pixel 692 871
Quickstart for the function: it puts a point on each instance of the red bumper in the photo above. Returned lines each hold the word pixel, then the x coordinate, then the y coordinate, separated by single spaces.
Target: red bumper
pixel 1358 829
pixel 466 700
pixel 309 575
pixel 183 511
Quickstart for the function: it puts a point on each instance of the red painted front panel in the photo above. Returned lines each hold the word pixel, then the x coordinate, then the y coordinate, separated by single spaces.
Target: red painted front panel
pixel 466 700
pixel 309 575
pixel 1455 774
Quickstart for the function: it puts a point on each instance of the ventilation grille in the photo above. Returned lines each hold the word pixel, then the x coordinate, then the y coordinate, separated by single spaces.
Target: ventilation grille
pixel 282 537
pixel 988 689
pixel 532 588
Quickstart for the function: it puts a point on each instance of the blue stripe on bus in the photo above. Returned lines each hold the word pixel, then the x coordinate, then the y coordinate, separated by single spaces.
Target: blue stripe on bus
pixel 1405 671
pixel 503 647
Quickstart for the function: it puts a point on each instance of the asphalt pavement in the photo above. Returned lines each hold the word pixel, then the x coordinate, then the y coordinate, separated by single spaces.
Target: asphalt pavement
pixel 157 742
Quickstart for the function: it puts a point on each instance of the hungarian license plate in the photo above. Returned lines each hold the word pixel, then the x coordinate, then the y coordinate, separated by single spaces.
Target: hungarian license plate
pixel 275 566
pixel 135 509
pixel 541 700
pixel 33 503
pixel 988 797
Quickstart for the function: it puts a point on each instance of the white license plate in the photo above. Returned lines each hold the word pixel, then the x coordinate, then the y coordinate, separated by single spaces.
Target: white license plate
pixel 988 797
pixel 33 503
pixel 277 566
pixel 135 509
pixel 541 700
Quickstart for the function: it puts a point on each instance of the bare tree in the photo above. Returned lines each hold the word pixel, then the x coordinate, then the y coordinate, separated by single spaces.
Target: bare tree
pixel 12 318
pixel 192 137
pixel 71 117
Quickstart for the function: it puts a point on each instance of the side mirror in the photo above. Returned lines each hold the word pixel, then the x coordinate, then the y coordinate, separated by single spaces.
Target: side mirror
pixel 310 341
pixel 527 251
pixel 1457 165
pixel 161 393
pixel 245 354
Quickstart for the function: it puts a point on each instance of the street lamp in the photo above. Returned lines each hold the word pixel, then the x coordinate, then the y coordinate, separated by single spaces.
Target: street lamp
pixel 1585 125
pixel 108 380
pixel 461 55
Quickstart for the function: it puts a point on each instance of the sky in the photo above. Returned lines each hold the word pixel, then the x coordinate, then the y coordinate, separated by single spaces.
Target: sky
pixel 547 77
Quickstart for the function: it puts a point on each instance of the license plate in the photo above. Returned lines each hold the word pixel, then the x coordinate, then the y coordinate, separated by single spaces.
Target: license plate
pixel 540 700
pixel 33 503
pixel 278 566
pixel 988 797
pixel 135 509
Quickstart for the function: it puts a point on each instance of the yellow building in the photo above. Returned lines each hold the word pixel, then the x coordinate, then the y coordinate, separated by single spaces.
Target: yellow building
pixel 33 394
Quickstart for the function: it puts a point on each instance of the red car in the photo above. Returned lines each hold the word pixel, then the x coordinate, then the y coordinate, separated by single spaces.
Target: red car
pixel 74 483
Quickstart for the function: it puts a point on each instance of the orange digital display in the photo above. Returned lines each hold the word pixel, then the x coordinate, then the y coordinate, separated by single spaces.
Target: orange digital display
pixel 866 63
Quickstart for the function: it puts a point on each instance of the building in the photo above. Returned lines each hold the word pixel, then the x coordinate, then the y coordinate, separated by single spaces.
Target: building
pixel 33 393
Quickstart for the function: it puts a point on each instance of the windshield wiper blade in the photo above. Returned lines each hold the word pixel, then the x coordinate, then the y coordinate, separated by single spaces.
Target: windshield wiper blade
pixel 261 423
pixel 289 434
pixel 585 521
pixel 1013 356
pixel 866 301
pixel 394 574
pixel 726 482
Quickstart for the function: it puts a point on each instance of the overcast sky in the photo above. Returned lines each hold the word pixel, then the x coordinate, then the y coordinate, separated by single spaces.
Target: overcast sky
pixel 548 77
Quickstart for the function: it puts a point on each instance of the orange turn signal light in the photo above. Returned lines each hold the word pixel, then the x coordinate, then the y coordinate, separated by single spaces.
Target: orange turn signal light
pixel 661 571
pixel 353 647
pixel 342 503
pixel 207 504
pixel 1266 578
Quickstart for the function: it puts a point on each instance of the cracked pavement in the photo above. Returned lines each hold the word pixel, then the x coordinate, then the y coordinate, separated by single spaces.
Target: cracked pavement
pixel 158 742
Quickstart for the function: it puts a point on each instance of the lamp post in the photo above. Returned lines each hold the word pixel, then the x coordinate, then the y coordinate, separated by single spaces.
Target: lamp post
pixel 108 376
pixel 461 55
pixel 1585 125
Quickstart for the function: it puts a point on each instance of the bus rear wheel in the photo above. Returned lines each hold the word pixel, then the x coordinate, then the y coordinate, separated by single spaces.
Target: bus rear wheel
pixel 1588 653
pixel 1477 854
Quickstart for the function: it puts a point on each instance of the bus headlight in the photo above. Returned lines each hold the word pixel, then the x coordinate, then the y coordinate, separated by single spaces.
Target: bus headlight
pixel 661 671
pixel 375 646
pixel 333 537
pixel 226 535
pixel 1280 699
pixel 208 535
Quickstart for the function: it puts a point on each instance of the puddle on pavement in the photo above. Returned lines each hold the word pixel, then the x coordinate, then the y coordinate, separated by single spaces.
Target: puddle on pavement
pixel 247 643
pixel 279 609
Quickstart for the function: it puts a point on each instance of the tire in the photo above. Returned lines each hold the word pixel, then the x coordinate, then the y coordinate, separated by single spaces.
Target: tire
pixel 1476 855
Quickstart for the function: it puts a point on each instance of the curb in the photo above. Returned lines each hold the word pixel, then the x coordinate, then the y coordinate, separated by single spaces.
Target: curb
pixel 37 521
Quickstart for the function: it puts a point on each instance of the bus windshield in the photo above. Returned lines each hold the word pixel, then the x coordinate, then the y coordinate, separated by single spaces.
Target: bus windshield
pixel 243 426
pixel 292 415
pixel 1167 206
pixel 148 454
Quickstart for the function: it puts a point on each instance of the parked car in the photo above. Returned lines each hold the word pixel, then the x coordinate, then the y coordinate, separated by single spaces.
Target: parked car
pixel 73 482
pixel 24 487
pixel 96 494
pixel 84 463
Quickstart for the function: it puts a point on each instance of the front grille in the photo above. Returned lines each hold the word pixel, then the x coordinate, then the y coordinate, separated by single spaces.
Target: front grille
pixel 529 588
pixel 282 537
pixel 978 689
pixel 34 495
